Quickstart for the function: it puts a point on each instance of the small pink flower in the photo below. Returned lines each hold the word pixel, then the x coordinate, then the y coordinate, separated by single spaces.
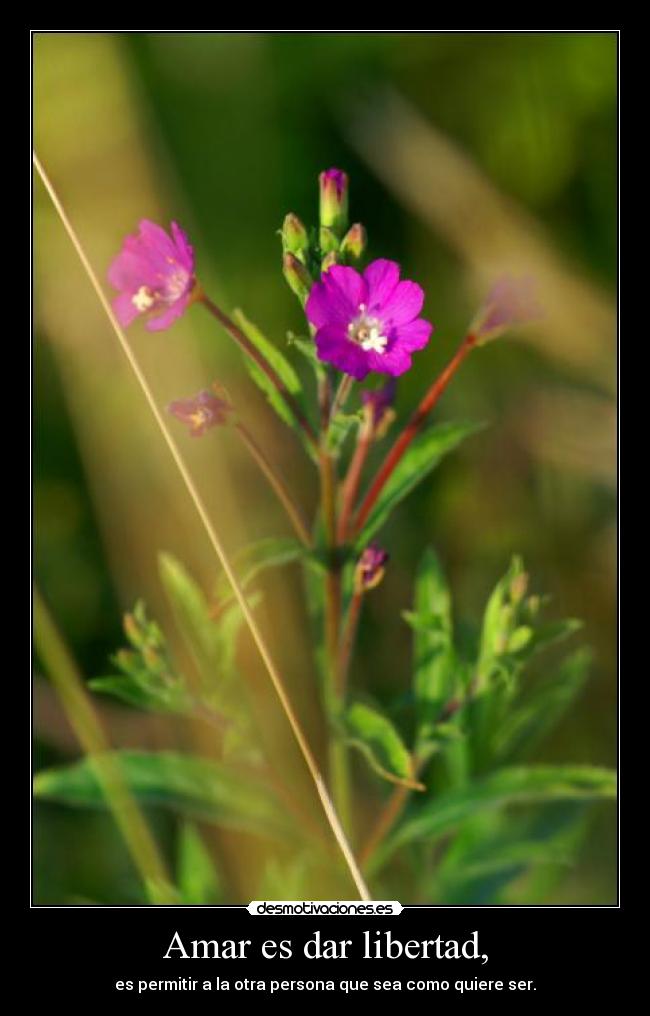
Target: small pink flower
pixel 201 412
pixel 378 406
pixel 370 567
pixel 510 302
pixel 154 273
pixel 367 322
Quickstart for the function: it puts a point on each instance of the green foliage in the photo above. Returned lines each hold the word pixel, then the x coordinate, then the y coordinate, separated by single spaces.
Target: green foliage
pixel 196 876
pixel 282 368
pixel 199 788
pixel 258 557
pixel 436 667
pixel 423 455
pixel 519 785
pixel 147 678
pixel 381 744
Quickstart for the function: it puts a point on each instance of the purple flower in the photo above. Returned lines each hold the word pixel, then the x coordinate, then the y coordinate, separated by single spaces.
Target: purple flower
pixel 367 322
pixel 201 412
pixel 370 567
pixel 378 400
pixel 510 302
pixel 154 273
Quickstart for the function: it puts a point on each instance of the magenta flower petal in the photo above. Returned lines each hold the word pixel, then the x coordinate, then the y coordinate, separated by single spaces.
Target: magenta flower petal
pixel 124 310
pixel 170 314
pixel 201 412
pixel 333 347
pixel 154 274
pixel 414 335
pixel 381 277
pixel 404 303
pixel 370 568
pixel 367 323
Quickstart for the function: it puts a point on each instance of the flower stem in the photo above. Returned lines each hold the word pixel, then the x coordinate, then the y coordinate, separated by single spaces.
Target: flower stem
pixel 385 822
pixel 352 481
pixel 347 643
pixel 411 429
pixel 69 685
pixel 250 350
pixel 342 394
pixel 278 485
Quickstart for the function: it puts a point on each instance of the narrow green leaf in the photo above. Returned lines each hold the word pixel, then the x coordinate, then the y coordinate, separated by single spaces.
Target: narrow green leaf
pixel 522 785
pixel 193 619
pixel 280 365
pixel 251 561
pixel 196 876
pixel 196 787
pixel 420 459
pixel 126 689
pixel 377 738
pixel 433 648
pixel 526 725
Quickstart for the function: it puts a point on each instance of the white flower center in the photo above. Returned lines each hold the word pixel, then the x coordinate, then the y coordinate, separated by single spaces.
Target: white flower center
pixel 143 300
pixel 367 332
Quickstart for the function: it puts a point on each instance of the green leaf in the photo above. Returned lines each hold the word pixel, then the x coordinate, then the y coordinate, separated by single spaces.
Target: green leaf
pixel 498 619
pixel 521 785
pixel 375 736
pixel 196 876
pixel 280 365
pixel 192 616
pixel 433 649
pixel 526 725
pixel 197 787
pixel 270 552
pixel 126 689
pixel 307 348
pixel 419 460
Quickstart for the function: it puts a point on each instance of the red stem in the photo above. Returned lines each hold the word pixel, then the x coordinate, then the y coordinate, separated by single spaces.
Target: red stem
pixel 411 429
pixel 352 481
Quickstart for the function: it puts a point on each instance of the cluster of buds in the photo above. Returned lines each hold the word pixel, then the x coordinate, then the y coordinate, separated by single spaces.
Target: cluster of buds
pixel 302 259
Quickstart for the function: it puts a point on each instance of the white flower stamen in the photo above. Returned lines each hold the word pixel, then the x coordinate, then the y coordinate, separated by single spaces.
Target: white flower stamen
pixel 143 300
pixel 367 332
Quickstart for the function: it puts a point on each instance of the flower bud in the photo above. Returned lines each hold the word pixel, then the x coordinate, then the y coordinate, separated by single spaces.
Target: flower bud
pixel 378 408
pixel 518 587
pixel 354 242
pixel 330 259
pixel 509 303
pixel 294 236
pixel 334 200
pixel 370 568
pixel 328 240
pixel 299 279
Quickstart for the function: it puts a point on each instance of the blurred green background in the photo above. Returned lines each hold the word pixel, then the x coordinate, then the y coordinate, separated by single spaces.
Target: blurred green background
pixel 468 154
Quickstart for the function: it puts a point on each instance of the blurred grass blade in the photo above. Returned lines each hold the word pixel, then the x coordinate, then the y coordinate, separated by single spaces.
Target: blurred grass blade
pixel 111 786
pixel 196 787
pixel 196 876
